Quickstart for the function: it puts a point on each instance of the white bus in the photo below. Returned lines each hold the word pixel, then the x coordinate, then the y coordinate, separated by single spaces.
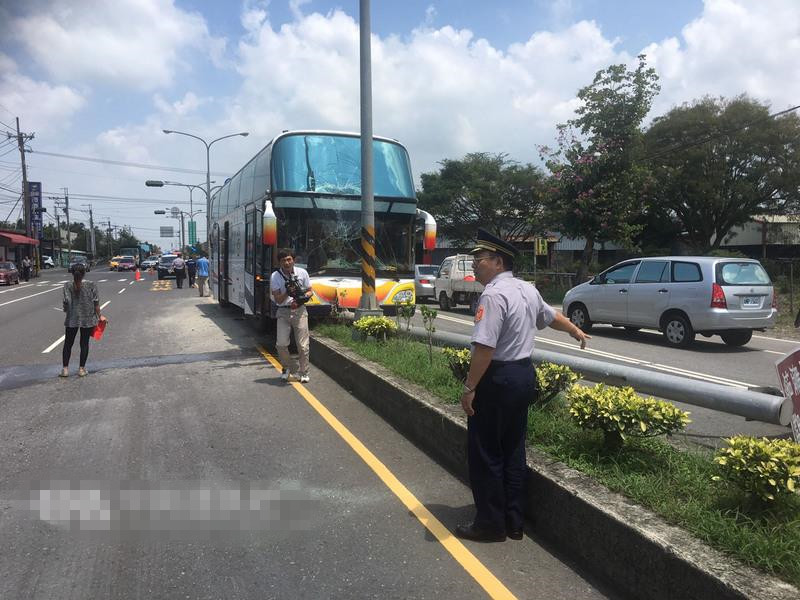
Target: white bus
pixel 303 191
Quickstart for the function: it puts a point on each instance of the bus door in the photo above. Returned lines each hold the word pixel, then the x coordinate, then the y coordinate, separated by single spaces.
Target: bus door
pixel 250 245
pixel 224 255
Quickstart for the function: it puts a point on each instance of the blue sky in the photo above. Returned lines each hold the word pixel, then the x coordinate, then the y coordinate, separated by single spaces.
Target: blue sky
pixel 101 79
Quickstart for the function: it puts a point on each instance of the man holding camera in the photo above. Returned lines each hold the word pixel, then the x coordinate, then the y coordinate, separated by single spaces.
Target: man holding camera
pixel 291 289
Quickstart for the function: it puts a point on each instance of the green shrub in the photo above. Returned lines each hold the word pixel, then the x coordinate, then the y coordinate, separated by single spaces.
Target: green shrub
pixel 621 412
pixel 377 327
pixel 458 361
pixel 762 467
pixel 554 379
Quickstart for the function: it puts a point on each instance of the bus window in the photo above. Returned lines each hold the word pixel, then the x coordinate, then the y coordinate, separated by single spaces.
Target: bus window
pixel 261 178
pixel 246 189
pixel 233 192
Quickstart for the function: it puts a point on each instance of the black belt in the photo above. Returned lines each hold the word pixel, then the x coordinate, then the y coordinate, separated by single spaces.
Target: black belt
pixel 521 361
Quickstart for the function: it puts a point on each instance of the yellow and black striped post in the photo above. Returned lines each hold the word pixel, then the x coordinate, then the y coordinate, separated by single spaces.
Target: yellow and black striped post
pixel 368 264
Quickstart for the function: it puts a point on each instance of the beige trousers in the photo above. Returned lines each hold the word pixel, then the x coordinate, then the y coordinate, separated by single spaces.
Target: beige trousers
pixel 201 284
pixel 296 319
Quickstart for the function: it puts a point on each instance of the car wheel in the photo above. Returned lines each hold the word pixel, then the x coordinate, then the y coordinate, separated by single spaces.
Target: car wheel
pixel 473 304
pixel 737 338
pixel 160 277
pixel 579 316
pixel 444 301
pixel 678 331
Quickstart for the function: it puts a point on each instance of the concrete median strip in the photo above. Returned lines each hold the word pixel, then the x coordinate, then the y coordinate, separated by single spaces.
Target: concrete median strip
pixel 635 550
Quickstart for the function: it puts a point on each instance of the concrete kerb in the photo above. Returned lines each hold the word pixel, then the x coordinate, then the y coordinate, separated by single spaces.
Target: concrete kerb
pixel 633 549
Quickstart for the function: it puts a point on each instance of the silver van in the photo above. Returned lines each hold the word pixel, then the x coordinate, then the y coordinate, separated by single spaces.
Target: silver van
pixel 680 296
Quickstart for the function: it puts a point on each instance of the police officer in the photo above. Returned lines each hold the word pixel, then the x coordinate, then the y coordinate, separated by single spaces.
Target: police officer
pixel 500 385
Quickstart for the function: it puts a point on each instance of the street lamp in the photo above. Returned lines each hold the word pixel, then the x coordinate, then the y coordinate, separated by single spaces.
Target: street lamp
pixel 208 163
pixel 179 214
pixel 191 186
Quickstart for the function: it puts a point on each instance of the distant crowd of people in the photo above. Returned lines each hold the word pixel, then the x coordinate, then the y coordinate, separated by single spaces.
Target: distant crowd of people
pixel 194 268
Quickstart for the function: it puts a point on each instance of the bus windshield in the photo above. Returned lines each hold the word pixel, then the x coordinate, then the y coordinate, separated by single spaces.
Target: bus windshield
pixel 331 164
pixel 329 241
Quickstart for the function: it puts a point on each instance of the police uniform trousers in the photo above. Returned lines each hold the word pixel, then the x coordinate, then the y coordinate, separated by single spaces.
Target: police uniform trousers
pixel 496 444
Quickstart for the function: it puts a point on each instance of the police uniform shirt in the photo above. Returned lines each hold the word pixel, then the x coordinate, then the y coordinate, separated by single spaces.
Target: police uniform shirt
pixel 508 311
pixel 277 282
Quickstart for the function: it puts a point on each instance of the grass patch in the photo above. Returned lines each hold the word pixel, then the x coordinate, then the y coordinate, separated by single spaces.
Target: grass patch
pixel 673 483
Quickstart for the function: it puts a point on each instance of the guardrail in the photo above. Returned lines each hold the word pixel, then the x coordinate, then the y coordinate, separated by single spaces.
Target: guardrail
pixel 757 406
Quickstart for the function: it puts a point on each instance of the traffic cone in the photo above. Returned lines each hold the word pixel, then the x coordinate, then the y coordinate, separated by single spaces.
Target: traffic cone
pixel 138 274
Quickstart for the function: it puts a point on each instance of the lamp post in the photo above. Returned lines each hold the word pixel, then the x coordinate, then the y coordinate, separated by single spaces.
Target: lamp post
pixel 191 186
pixel 176 213
pixel 208 162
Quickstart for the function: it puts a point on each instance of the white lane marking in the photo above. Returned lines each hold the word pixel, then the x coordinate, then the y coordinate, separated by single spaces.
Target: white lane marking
pixel 126 279
pixel 64 281
pixel 122 290
pixel 131 283
pixel 636 361
pixel 26 297
pixel 14 288
pixel 53 345
pixel 764 337
pixel 104 304
pixel 102 280
pixel 56 308
pixel 775 352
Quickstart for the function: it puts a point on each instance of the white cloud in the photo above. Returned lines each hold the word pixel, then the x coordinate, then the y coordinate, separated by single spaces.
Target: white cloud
pixel 129 43
pixel 180 108
pixel 735 46
pixel 41 105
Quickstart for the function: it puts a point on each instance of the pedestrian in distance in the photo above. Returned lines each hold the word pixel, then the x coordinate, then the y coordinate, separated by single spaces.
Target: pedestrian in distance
pixel 82 305
pixel 179 268
pixel 291 289
pixel 26 268
pixel 500 385
pixel 202 275
pixel 191 269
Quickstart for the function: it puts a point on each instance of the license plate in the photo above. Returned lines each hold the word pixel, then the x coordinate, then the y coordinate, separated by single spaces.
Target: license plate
pixel 751 301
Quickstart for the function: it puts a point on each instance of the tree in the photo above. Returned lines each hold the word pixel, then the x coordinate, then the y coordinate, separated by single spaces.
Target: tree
pixel 718 162
pixel 485 190
pixel 596 187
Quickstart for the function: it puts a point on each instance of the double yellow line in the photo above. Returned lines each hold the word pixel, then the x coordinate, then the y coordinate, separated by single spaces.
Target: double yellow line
pixel 457 550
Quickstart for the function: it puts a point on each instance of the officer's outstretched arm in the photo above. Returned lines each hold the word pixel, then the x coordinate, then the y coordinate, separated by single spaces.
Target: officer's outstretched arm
pixel 562 323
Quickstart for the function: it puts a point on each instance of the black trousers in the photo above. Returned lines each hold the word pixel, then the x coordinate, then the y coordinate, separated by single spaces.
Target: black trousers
pixel 69 340
pixel 191 276
pixel 496 444
pixel 179 277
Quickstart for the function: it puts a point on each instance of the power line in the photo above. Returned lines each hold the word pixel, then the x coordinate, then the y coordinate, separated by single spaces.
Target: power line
pixel 126 164
pixel 713 136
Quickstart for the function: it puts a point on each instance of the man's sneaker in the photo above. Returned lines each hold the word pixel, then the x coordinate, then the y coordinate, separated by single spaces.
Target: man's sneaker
pixel 285 375
pixel 304 379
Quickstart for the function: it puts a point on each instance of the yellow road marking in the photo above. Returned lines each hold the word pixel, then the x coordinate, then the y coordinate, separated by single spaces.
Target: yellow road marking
pixel 161 286
pixel 457 550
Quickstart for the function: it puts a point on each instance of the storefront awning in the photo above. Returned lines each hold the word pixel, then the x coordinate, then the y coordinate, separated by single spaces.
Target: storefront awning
pixel 16 238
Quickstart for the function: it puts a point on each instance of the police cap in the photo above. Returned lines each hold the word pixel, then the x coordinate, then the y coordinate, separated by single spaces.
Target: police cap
pixel 492 243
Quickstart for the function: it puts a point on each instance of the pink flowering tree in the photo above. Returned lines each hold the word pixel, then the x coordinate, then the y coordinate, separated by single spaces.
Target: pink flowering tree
pixel 598 190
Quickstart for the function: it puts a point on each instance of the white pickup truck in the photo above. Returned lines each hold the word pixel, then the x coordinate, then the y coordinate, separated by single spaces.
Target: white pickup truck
pixel 455 284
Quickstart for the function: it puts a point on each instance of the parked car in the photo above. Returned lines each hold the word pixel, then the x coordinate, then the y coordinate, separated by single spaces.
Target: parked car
pixel 165 266
pixel 680 296
pixel 455 283
pixel 9 274
pixel 424 275
pixel 47 262
pixel 150 262
pixel 112 264
pixel 79 260
pixel 126 263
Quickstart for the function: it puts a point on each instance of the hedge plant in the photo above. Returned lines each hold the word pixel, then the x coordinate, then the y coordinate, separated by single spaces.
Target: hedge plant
pixel 554 379
pixel 377 327
pixel 765 468
pixel 458 361
pixel 621 412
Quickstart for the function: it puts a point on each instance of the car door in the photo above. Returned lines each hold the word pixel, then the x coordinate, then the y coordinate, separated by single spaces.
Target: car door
pixel 610 304
pixel 648 295
pixel 443 280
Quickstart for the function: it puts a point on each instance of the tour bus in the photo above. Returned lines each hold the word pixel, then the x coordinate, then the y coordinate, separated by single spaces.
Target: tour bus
pixel 303 191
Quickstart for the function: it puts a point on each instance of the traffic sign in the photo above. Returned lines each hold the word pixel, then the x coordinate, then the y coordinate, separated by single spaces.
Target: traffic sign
pixel 192 232
pixel 789 378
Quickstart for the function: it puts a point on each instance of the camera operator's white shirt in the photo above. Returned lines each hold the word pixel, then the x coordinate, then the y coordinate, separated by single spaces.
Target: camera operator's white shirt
pixel 277 282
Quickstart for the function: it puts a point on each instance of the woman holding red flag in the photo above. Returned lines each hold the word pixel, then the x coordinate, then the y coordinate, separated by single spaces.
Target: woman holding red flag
pixel 82 305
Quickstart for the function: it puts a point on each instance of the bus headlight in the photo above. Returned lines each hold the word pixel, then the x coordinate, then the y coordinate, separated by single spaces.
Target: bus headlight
pixel 403 296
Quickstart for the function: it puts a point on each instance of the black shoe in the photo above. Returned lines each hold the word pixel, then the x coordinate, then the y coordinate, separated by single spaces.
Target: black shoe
pixel 478 534
pixel 514 534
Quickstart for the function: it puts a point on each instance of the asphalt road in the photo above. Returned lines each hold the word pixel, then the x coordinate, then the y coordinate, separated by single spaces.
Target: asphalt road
pixel 709 359
pixel 183 467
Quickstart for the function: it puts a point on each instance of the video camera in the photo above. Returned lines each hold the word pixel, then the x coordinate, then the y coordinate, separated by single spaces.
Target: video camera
pixel 295 289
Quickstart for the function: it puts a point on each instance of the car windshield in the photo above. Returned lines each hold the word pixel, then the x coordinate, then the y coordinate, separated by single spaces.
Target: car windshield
pixel 742 273
pixel 426 270
pixel 6 265
pixel 126 260
pixel 167 260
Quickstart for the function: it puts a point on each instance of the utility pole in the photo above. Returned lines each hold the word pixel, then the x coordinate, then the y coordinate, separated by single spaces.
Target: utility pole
pixel 21 139
pixel 109 230
pixel 69 237
pixel 58 233
pixel 90 242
